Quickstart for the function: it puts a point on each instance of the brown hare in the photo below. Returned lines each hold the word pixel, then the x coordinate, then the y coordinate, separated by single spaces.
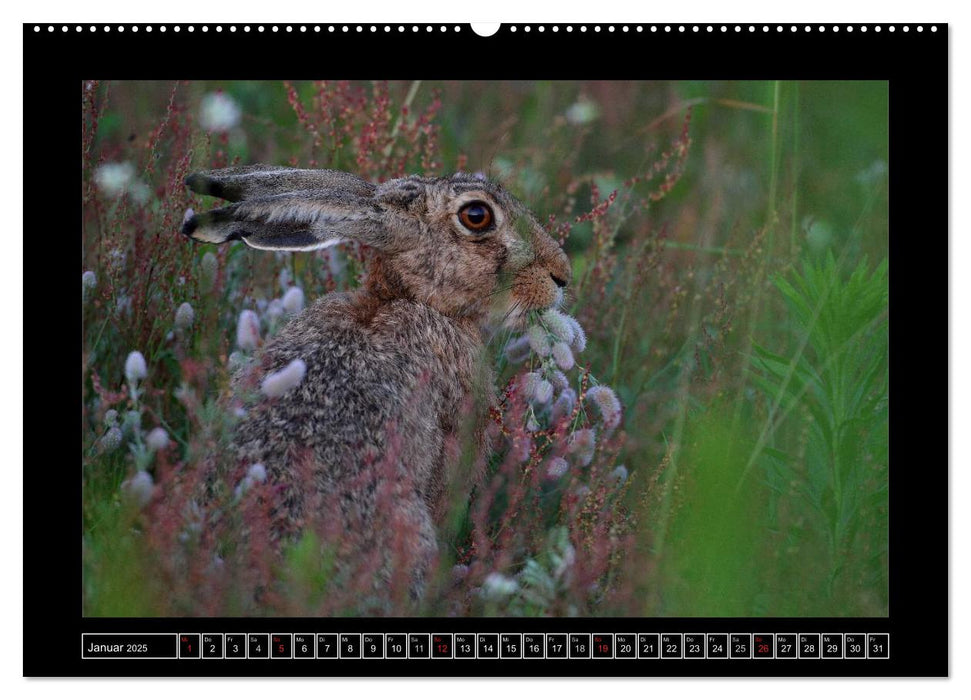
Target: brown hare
pixel 395 372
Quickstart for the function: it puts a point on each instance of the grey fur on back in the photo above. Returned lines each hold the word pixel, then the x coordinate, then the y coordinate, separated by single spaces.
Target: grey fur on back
pixel 395 375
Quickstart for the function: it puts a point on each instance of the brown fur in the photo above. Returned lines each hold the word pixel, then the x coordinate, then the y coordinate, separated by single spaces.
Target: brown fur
pixel 395 371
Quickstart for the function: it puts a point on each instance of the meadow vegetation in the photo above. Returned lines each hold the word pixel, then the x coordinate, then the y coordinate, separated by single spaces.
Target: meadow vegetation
pixel 703 431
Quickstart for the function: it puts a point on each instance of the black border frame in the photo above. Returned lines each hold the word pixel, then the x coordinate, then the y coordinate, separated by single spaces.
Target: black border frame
pixel 914 62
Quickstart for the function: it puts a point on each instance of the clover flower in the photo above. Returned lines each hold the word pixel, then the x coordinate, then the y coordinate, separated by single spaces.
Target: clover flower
pixel 219 112
pixel 111 417
pixel 117 179
pixel 581 112
pixel 88 282
pixel 542 392
pixel 209 267
pixel 563 356
pixel 248 330
pixel 619 474
pixel 559 325
pixel 559 380
pixel 279 383
pixel 497 585
pixel 112 439
pixel 606 401
pixel 275 310
pixel 556 468
pixel 138 489
pixel 293 300
pixel 539 340
pixel 517 350
pixel 184 316
pixel 157 439
pixel 114 179
pixel 582 445
pixel 579 342
pixel 135 368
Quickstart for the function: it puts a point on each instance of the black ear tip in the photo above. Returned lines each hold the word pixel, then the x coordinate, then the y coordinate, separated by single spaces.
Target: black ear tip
pixel 190 222
pixel 203 184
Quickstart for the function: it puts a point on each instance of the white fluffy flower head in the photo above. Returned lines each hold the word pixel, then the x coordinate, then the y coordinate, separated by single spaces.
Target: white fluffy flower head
pixel 89 280
pixel 114 179
pixel 157 439
pixel 248 330
pixel 497 585
pixel 606 401
pixel 135 367
pixel 138 489
pixel 279 383
pixel 293 300
pixel 184 316
pixel 219 112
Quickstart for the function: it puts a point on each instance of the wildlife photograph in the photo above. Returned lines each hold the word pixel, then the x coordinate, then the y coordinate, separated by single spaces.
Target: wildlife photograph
pixel 479 349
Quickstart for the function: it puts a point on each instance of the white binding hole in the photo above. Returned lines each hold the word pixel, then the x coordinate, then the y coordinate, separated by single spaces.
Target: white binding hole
pixel 906 28
pixel 486 28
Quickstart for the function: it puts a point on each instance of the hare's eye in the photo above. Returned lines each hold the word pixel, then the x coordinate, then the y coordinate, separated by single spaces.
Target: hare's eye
pixel 476 216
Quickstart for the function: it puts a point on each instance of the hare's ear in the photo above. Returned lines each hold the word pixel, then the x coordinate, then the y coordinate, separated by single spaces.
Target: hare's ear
pixel 292 221
pixel 254 181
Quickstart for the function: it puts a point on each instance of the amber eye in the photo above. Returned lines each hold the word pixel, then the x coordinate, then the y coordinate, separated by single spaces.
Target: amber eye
pixel 476 216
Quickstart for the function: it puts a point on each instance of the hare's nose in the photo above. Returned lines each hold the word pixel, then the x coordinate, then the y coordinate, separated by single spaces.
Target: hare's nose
pixel 558 281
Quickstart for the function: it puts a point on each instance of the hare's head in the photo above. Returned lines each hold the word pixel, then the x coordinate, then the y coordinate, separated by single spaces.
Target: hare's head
pixel 460 244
